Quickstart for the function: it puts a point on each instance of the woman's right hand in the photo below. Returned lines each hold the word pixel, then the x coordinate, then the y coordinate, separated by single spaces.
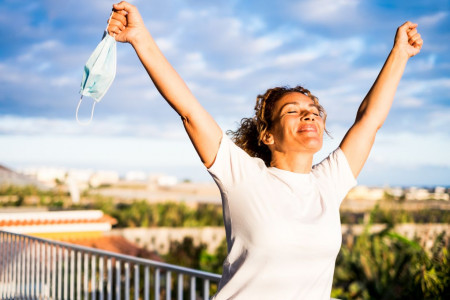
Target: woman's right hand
pixel 126 23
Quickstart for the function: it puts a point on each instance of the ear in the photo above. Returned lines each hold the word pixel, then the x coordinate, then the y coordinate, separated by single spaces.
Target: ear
pixel 268 139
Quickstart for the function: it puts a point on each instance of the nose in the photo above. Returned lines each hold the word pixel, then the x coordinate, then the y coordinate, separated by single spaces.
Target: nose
pixel 308 116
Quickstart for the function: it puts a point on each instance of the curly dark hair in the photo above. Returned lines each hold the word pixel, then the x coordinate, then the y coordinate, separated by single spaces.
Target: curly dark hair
pixel 252 130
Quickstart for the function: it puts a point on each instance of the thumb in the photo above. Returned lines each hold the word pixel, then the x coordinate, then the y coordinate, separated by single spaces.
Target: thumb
pixel 408 26
pixel 123 5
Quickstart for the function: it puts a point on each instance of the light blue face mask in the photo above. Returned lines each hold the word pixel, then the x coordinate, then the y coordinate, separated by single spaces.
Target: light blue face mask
pixel 99 72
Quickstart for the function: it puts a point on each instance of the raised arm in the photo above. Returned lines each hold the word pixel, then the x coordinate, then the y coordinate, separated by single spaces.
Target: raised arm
pixel 375 107
pixel 127 25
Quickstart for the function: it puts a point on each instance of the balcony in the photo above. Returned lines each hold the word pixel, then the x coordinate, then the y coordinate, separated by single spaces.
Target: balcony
pixel 36 268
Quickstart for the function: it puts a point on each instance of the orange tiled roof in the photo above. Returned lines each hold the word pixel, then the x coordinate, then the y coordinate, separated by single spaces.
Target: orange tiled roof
pixel 116 244
pixel 103 219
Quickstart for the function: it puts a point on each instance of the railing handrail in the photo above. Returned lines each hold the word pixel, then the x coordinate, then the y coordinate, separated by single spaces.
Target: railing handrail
pixel 133 259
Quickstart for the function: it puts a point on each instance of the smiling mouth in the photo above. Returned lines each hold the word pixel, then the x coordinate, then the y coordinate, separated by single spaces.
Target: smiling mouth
pixel 308 128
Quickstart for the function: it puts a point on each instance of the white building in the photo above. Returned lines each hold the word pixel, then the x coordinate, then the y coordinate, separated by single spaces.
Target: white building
pixel 362 192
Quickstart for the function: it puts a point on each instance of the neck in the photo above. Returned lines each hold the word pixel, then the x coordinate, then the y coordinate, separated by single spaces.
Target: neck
pixel 293 162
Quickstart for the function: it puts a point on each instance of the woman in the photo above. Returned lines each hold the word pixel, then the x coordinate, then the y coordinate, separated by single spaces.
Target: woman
pixel 281 213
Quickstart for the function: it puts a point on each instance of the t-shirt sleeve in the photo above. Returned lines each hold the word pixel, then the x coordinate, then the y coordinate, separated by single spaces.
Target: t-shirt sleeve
pixel 233 165
pixel 336 170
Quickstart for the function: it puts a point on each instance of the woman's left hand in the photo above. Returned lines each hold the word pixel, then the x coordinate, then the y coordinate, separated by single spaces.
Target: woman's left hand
pixel 408 40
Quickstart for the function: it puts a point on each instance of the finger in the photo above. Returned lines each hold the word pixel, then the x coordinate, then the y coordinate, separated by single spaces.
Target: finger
pixel 408 25
pixel 118 24
pixel 115 27
pixel 114 30
pixel 418 43
pixel 122 12
pixel 124 6
pixel 411 32
pixel 414 38
pixel 119 18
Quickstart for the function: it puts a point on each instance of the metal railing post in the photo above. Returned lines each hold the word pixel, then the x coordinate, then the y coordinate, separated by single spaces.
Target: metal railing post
pixel 43 268
pixel 110 279
pixel 24 271
pixel 86 274
pixel 93 273
pixel 118 279
pixel 53 271
pixel 9 267
pixel 60 287
pixel 157 284
pixel 146 283
pixel 168 285
pixel 16 266
pixel 37 262
pixel 72 274
pixel 66 273
pixel 2 263
pixel 101 265
pixel 127 280
pixel 79 275
pixel 193 287
pixel 180 286
pixel 48 250
pixel 205 288
pixel 136 282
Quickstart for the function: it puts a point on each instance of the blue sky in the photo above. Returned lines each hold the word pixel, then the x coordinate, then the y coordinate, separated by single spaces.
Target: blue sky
pixel 228 52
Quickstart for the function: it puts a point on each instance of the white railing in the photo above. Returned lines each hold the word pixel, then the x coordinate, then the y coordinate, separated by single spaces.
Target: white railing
pixel 35 268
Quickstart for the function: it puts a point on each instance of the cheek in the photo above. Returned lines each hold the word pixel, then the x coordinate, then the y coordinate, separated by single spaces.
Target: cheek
pixel 322 126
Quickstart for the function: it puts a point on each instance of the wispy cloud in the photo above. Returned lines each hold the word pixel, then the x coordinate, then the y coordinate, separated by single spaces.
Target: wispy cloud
pixel 433 19
pixel 326 11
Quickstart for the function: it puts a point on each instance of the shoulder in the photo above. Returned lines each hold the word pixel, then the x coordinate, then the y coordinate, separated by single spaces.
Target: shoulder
pixel 232 164
pixel 335 161
pixel 334 174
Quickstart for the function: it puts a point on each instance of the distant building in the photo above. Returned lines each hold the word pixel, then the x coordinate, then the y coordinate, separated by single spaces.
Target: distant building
pixel 104 178
pixel 415 193
pixel 82 178
pixel 46 175
pixel 136 176
pixel 362 192
pixel 396 192
pixel 58 225
pixel 163 180
pixel 440 193
pixel 89 228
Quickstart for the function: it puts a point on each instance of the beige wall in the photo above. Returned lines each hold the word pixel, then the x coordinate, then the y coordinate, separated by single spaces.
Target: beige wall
pixel 158 239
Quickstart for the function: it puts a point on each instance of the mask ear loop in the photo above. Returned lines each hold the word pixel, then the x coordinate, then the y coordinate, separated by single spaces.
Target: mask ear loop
pixel 92 112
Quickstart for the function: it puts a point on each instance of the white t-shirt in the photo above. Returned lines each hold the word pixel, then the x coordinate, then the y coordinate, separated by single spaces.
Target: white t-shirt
pixel 283 228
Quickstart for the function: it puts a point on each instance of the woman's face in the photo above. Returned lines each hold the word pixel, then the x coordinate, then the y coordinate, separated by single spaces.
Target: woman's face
pixel 297 125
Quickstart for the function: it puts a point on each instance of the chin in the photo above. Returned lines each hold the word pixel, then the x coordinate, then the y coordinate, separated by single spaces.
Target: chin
pixel 315 146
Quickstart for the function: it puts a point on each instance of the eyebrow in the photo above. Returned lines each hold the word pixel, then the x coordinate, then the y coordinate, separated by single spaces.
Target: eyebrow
pixel 297 104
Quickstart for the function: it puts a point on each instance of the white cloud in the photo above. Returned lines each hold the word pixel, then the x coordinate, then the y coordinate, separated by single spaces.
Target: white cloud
pixel 433 19
pixel 409 102
pixel 165 44
pixel 114 126
pixel 325 11
pixel 414 149
pixel 297 57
